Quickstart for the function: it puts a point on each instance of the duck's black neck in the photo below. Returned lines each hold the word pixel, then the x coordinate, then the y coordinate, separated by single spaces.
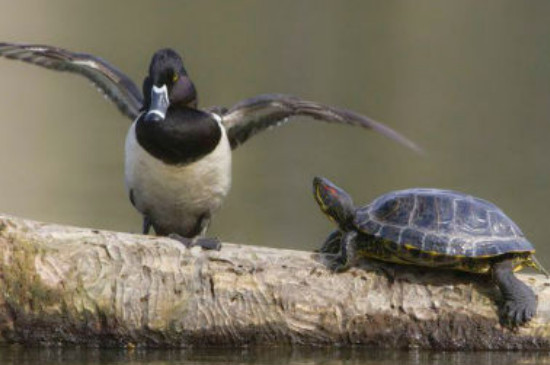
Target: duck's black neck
pixel 183 137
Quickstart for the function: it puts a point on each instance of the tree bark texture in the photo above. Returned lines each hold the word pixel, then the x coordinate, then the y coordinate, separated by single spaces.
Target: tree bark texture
pixel 64 285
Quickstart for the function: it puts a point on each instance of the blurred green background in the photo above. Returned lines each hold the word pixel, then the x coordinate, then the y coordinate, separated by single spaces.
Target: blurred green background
pixel 467 80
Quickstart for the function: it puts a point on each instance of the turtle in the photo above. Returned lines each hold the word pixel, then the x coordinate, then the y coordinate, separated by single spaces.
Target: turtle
pixel 433 228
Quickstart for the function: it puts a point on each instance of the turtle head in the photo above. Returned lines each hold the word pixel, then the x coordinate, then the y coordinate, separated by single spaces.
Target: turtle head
pixel 334 202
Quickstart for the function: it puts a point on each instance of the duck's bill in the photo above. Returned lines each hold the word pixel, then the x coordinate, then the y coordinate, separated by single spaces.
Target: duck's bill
pixel 159 104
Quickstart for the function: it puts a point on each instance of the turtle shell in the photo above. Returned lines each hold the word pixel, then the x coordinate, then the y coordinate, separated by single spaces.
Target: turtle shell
pixel 442 222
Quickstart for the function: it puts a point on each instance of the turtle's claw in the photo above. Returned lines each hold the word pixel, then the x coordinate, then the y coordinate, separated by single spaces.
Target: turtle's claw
pixel 514 313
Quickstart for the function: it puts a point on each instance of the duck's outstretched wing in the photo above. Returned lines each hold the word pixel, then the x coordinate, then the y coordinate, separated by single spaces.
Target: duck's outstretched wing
pixel 254 115
pixel 114 84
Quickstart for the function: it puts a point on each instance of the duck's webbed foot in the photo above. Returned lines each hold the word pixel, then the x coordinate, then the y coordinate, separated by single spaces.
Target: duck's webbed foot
pixel 207 243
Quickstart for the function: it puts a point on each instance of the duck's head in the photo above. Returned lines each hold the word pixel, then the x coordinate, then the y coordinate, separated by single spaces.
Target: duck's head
pixel 167 84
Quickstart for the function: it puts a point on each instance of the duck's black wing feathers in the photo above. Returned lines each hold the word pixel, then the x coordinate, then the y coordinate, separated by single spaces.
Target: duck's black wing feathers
pixel 254 115
pixel 114 84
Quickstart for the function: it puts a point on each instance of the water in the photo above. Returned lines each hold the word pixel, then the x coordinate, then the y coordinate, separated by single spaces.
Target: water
pixel 269 356
pixel 467 80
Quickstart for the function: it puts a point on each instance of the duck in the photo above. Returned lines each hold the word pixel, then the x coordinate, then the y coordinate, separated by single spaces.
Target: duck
pixel 178 156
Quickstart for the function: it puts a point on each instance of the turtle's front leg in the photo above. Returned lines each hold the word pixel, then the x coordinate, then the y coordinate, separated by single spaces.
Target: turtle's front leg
pixel 333 243
pixel 347 252
pixel 519 301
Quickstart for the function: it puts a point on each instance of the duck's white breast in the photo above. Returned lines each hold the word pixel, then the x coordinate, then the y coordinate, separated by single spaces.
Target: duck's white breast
pixel 175 196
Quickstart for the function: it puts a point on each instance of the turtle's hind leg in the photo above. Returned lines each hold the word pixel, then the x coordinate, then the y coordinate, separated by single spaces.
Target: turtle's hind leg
pixel 519 301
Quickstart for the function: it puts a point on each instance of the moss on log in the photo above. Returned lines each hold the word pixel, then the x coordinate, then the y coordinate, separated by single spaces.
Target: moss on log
pixel 63 285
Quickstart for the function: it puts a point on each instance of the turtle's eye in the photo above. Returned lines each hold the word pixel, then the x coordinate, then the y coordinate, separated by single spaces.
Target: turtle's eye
pixel 175 77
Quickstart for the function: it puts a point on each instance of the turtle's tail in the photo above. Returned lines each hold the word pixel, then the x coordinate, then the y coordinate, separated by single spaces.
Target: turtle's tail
pixel 538 266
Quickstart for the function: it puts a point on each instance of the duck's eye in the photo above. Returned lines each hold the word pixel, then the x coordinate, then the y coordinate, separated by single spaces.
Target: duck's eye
pixel 175 77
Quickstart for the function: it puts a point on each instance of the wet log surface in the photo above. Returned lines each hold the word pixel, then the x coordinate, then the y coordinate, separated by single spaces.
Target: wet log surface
pixel 63 285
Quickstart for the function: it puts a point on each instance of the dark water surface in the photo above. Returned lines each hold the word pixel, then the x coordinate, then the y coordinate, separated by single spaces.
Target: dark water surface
pixel 363 356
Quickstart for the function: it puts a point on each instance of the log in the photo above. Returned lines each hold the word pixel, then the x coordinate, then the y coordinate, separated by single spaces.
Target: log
pixel 63 285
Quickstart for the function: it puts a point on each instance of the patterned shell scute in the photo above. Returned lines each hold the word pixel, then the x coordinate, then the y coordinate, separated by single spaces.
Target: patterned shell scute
pixel 442 221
